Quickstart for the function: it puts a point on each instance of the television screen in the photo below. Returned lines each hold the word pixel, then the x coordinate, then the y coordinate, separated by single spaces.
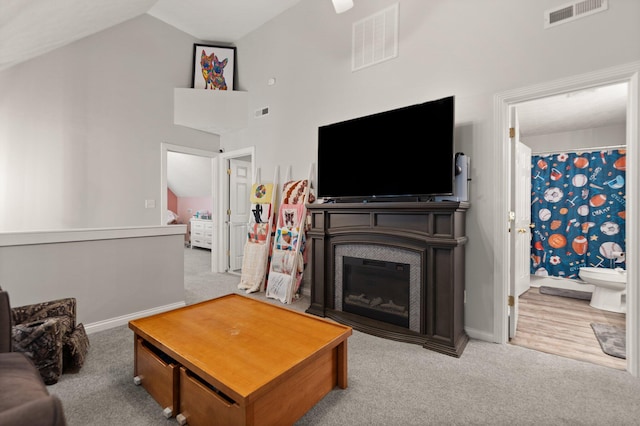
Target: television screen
pixel 405 152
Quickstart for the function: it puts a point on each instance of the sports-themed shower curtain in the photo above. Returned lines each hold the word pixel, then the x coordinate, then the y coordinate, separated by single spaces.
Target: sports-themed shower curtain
pixel 578 209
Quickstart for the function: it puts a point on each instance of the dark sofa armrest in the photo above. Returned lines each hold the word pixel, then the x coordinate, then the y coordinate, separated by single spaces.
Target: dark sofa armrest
pixel 44 411
pixel 5 323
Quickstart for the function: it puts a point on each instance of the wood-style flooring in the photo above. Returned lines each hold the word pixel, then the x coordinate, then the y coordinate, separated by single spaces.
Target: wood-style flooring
pixel 561 326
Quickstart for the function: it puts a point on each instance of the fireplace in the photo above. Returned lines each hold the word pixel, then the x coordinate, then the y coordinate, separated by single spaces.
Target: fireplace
pixel 401 287
pixel 376 289
pixel 408 257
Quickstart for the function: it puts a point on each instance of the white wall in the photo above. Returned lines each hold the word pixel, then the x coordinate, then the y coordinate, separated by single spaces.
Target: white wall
pixel 577 140
pixel 468 48
pixel 113 91
pixel 189 175
pixel 81 128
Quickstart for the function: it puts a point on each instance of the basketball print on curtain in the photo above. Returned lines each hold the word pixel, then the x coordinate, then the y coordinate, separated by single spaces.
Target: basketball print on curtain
pixel 578 209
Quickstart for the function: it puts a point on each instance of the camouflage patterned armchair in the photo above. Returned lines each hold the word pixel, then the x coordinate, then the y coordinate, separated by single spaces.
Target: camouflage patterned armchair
pixel 47 333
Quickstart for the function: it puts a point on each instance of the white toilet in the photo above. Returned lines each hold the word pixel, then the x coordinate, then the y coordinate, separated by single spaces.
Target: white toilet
pixel 610 288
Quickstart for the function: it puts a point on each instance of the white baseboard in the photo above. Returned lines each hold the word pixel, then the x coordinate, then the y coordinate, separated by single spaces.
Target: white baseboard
pixel 124 319
pixel 479 335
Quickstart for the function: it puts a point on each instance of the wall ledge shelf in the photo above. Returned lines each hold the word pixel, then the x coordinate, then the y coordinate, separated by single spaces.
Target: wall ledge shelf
pixel 56 236
pixel 211 111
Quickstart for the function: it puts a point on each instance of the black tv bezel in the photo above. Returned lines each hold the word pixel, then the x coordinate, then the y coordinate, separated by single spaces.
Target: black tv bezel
pixel 426 195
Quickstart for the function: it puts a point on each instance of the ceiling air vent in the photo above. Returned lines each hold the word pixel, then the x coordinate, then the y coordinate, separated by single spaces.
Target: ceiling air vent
pixel 572 11
pixel 375 38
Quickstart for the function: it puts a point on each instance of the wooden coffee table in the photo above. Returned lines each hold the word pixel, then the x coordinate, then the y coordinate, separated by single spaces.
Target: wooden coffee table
pixel 235 360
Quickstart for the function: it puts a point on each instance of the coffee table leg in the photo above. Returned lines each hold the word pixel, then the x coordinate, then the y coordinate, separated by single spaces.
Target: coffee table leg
pixel 342 364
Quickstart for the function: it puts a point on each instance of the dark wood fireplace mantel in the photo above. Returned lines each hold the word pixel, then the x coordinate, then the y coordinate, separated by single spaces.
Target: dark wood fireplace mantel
pixel 434 230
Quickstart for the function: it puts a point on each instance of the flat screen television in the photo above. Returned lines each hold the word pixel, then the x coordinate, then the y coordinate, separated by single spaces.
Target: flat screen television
pixel 404 153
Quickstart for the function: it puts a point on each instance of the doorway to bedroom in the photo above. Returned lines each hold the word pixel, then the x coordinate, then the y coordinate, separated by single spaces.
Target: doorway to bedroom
pixel 187 193
pixel 190 197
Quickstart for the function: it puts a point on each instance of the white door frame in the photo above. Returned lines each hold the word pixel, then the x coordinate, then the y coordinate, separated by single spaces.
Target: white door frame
pixel 628 73
pixel 166 148
pixel 222 194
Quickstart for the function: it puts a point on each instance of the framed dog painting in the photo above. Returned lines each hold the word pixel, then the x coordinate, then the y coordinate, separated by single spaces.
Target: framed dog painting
pixel 213 67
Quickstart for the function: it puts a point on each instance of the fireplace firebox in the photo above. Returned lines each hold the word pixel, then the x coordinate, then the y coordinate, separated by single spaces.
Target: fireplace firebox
pixel 376 289
pixel 408 256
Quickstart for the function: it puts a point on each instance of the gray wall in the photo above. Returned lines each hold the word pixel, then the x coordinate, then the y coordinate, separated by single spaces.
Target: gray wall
pixel 105 103
pixel 114 279
pixel 81 128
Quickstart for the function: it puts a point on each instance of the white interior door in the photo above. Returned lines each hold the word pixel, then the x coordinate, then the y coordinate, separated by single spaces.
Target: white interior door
pixel 521 220
pixel 239 208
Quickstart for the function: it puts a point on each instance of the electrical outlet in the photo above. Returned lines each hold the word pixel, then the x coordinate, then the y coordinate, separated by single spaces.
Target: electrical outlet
pixel 149 204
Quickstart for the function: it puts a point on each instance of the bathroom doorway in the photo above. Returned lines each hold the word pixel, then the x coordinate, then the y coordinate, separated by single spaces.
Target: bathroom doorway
pixel 595 135
pixel 503 102
pixel 579 156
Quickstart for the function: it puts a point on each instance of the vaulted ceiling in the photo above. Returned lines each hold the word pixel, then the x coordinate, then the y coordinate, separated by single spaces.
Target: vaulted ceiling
pixel 29 28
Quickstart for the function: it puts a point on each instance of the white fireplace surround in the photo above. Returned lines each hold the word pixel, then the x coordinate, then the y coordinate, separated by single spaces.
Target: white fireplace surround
pixel 385 254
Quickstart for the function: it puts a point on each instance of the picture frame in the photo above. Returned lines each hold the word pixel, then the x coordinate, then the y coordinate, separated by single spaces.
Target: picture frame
pixel 213 67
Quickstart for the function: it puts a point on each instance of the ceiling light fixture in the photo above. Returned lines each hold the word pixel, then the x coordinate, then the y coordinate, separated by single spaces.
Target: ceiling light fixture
pixel 342 5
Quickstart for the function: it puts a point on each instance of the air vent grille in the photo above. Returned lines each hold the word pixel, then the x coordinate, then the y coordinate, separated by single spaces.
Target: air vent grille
pixel 375 38
pixel 587 6
pixel 561 15
pixel 572 11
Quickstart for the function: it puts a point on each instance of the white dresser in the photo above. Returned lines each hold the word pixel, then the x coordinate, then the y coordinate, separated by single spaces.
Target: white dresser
pixel 201 233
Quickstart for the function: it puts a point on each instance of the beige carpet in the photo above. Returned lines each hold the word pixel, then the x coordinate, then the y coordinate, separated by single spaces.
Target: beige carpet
pixel 389 383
